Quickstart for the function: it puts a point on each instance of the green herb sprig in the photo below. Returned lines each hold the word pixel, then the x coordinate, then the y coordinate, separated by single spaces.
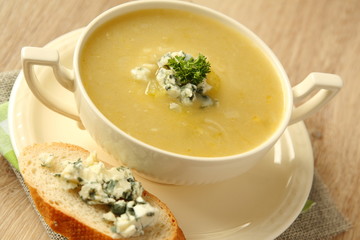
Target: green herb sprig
pixel 192 70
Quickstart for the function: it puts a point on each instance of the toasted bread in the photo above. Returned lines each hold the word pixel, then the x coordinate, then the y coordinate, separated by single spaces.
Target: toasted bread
pixel 66 213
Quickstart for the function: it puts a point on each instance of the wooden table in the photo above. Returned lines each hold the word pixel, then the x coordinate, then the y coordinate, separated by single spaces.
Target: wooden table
pixel 306 35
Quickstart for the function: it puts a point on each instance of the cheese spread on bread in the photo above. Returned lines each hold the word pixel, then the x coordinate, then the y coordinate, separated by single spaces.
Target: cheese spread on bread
pixel 116 188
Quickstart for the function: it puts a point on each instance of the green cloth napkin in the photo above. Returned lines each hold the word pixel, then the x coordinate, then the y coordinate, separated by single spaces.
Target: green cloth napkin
pixel 5 144
pixel 7 80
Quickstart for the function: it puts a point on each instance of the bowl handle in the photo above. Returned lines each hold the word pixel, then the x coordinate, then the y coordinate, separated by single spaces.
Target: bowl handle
pixel 31 56
pixel 326 85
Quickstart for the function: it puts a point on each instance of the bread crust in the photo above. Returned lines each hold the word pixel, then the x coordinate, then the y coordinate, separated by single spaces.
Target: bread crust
pixel 64 224
pixel 71 227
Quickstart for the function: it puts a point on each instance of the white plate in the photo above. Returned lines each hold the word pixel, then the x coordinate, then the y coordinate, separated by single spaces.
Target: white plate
pixel 259 204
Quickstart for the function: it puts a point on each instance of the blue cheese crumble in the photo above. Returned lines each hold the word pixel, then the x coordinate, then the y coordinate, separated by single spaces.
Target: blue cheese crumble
pixel 165 80
pixel 117 188
pixel 46 159
pixel 165 76
pixel 142 73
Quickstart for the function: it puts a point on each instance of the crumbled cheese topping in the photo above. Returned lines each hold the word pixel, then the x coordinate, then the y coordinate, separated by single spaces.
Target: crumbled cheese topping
pixel 46 159
pixel 115 187
pixel 136 215
pixel 164 60
pixel 165 79
pixel 142 73
pixel 175 106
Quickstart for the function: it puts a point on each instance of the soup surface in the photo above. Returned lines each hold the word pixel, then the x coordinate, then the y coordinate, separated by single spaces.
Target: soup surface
pixel 245 84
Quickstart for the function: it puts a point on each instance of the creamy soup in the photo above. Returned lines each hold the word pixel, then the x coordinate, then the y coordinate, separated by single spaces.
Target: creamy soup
pixel 245 85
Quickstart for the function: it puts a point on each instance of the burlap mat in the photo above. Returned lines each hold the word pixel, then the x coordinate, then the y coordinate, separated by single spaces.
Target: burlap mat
pixel 323 221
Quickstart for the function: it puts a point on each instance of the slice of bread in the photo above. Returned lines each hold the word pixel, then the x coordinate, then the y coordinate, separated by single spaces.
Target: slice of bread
pixel 66 213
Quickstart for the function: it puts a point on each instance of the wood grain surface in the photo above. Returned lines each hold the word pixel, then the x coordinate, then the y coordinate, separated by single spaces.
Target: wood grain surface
pixel 306 35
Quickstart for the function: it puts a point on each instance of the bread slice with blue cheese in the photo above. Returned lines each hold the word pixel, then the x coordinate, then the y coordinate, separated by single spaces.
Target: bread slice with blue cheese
pixel 80 198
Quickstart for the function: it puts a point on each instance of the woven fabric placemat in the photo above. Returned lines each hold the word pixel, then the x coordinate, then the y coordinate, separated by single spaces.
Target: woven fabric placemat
pixel 323 221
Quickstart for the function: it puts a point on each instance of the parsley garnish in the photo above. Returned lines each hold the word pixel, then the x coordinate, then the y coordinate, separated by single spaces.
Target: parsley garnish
pixel 191 70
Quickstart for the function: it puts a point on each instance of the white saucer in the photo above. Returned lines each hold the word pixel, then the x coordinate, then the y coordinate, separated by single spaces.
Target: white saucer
pixel 259 204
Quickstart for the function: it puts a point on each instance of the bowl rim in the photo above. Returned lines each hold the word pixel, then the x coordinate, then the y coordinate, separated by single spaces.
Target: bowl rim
pixel 205 11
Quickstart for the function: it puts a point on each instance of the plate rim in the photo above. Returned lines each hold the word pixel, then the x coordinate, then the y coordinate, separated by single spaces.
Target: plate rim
pixel 20 81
